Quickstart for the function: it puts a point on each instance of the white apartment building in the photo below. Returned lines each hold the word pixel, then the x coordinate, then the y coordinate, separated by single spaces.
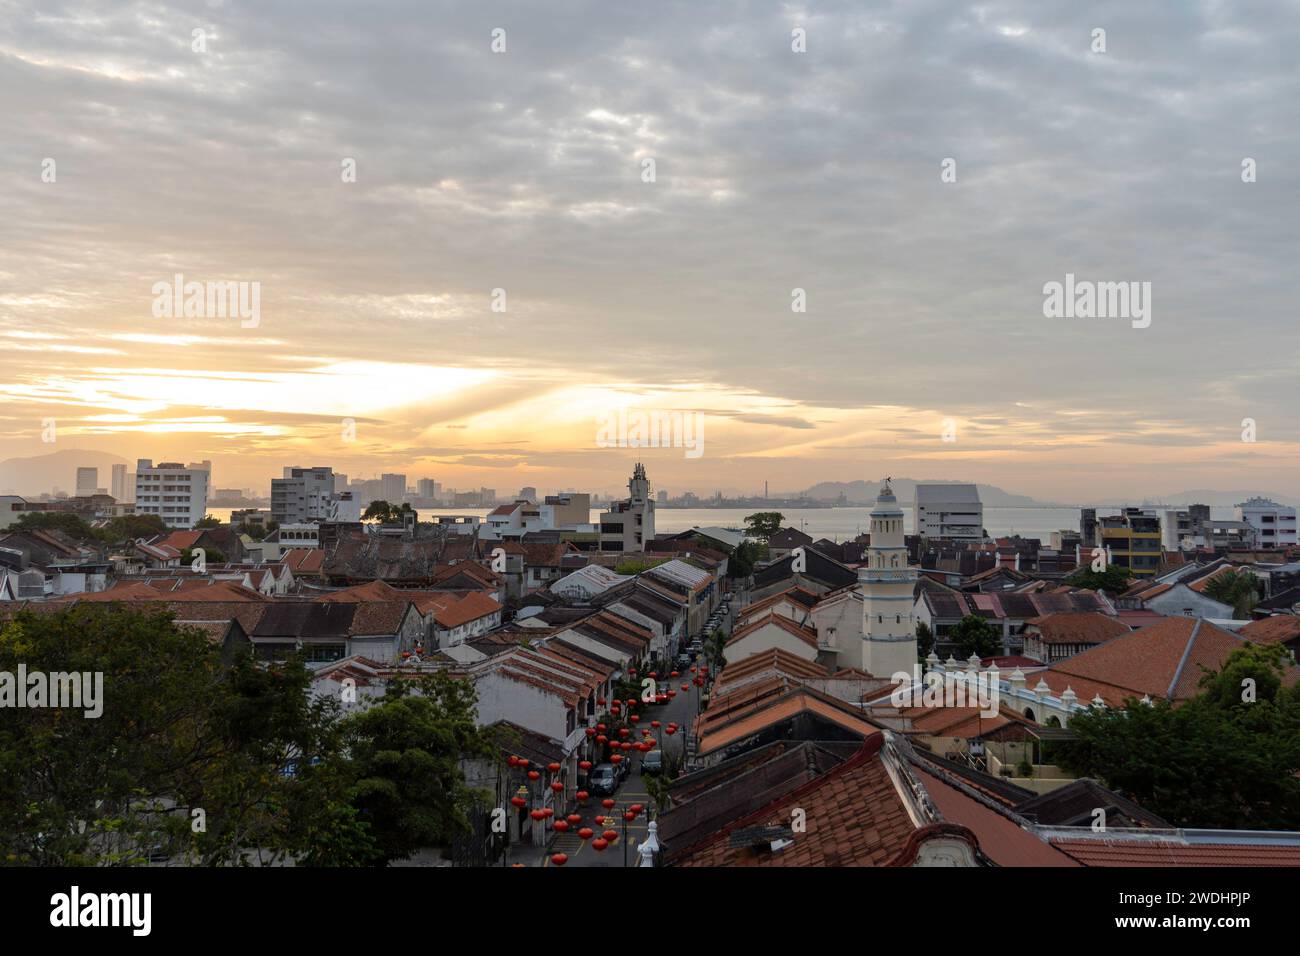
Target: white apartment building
pixel 176 493
pixel 1274 522
pixel 118 488
pixel 948 511
pixel 302 496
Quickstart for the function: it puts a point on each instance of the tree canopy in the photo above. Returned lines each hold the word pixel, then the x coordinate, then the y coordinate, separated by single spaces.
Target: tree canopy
pixel 270 771
pixel 1113 579
pixel 1229 758
pixel 975 635
pixel 763 524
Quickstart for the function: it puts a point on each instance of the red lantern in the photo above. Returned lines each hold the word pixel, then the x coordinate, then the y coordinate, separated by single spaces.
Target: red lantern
pixel 672 694
pixel 519 802
pixel 615 758
pixel 610 835
pixel 538 815
pixel 686 687
pixel 607 803
pixel 601 701
pixel 513 760
pixel 523 762
pixel 591 732
pixel 561 825
pixel 670 730
pixel 584 764
pixel 623 731
pixel 559 859
pixel 582 796
pixel 674 675
pixel 585 833
pixel 601 728
pixel 553 767
pixel 601 739
pixel 534 775
pixel 634 717
pixel 636 807
pixel 548 812
pixel 629 816
pixel 574 818
pixel 598 844
pixel 655 724
pixel 626 745
pixel 557 786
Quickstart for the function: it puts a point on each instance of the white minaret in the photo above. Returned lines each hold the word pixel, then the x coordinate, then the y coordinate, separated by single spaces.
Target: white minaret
pixel 886 584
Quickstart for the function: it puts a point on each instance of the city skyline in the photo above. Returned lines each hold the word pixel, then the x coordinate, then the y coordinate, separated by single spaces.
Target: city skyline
pixel 924 348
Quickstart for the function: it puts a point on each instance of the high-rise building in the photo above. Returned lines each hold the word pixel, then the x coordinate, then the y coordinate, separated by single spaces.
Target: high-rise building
pixel 392 488
pixel 528 493
pixel 303 495
pixel 87 481
pixel 949 511
pixel 426 488
pixel 176 493
pixel 886 583
pixel 118 486
pixel 1274 522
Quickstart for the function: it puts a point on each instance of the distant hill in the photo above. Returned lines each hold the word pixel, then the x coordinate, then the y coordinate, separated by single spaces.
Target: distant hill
pixel 41 473
pixel 1222 499
pixel 864 492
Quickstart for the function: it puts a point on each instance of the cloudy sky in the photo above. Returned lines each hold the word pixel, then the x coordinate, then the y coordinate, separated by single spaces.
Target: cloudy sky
pixel 774 170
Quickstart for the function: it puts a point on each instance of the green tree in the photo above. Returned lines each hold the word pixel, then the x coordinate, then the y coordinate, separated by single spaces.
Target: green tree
pixel 385 512
pixel 714 648
pixel 924 640
pixel 763 524
pixel 742 560
pixel 1240 590
pixel 126 528
pixel 406 754
pixel 975 635
pixel 70 524
pixel 180 730
pixel 1112 580
pixel 1229 758
pixel 210 555
pixel 207 521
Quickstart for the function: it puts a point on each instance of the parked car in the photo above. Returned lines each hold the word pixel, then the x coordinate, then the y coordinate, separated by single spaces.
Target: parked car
pixel 604 779
pixel 683 661
pixel 696 646
pixel 652 763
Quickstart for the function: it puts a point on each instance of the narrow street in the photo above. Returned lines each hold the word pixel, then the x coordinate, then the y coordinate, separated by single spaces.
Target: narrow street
pixel 681 710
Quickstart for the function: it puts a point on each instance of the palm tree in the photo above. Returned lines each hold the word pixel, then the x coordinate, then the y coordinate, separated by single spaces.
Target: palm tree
pixel 1238 589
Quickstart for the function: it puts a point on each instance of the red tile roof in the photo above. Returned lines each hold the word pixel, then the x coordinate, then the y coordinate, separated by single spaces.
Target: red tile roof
pixel 854 816
pixel 1122 852
pixel 1278 629
pixel 805 634
pixel 1076 627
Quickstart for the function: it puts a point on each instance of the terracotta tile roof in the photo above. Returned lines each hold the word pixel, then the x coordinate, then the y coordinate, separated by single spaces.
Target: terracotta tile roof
pixel 775 660
pixel 181 540
pixel 1278 629
pixel 855 817
pixel 1199 585
pixel 805 634
pixel 801 598
pixel 1077 627
pixel 304 560
pixel 1121 852
pixel 1001 839
pixel 1163 660
pixel 771 709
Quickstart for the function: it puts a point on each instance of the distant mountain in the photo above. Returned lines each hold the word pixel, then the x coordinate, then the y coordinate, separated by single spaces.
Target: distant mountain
pixel 864 492
pixel 32 476
pixel 1222 499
